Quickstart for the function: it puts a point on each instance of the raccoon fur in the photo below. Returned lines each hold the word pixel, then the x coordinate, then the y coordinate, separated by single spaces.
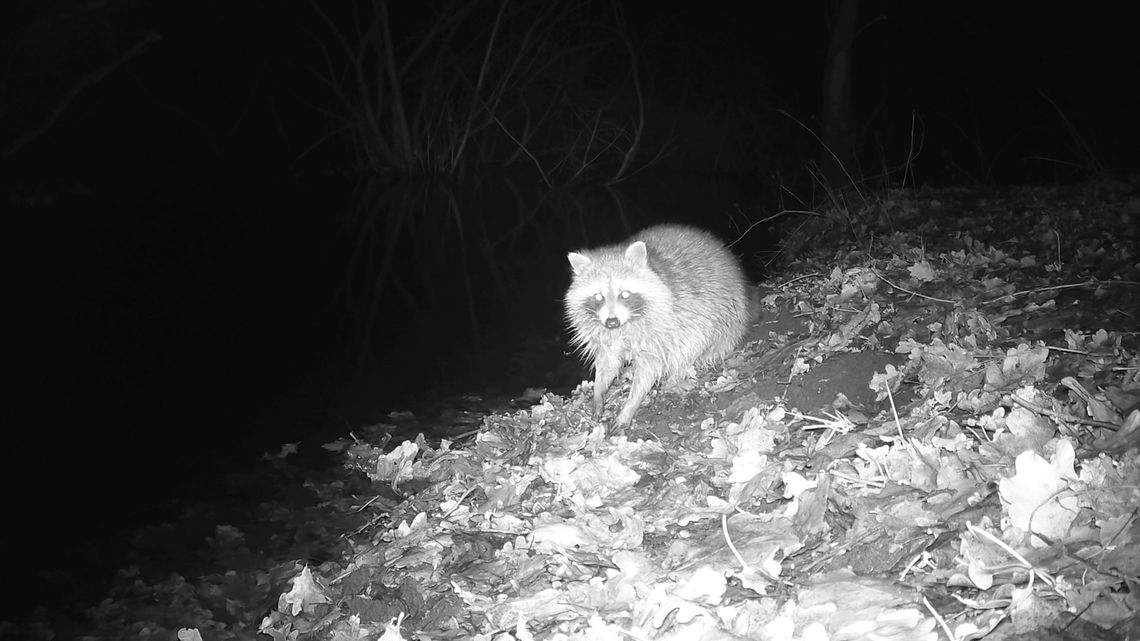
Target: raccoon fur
pixel 668 299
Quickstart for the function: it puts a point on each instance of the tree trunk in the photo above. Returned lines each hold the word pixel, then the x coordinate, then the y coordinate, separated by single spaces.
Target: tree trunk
pixel 838 158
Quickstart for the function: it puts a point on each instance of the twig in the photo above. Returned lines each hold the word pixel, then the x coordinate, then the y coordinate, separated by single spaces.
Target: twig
pixel 939 619
pixel 1021 560
pixel 1061 417
pixel 639 127
pixel 1091 281
pixel 744 567
pixel 903 289
pixel 764 220
pixel 79 87
pixel 523 148
pixel 477 91
pixel 789 282
pixel 826 148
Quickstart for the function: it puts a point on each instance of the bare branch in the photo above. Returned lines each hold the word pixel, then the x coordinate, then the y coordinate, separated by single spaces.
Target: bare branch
pixel 79 87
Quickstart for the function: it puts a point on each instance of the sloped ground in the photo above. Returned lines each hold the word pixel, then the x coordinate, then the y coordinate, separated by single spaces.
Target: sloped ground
pixel 933 434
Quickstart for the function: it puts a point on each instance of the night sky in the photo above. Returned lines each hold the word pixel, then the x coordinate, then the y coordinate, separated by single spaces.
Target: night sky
pixel 180 188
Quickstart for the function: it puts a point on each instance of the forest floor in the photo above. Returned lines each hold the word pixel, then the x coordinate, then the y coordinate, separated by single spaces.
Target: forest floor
pixel 933 433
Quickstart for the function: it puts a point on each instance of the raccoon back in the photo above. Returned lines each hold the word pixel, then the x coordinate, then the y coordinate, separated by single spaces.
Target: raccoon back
pixel 706 282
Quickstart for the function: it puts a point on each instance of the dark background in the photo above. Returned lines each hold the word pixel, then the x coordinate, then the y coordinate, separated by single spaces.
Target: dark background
pixel 203 265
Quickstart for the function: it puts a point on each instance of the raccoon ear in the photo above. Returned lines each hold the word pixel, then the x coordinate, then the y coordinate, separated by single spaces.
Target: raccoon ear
pixel 635 253
pixel 578 262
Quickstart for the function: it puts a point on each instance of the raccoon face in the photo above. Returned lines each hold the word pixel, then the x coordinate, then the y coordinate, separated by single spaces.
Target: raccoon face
pixel 614 306
pixel 611 290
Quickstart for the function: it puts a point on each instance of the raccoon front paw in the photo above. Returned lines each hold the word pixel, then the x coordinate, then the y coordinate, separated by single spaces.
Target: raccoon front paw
pixel 625 416
pixel 680 384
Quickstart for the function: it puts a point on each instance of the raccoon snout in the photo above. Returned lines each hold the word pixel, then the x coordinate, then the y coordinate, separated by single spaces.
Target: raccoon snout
pixel 612 322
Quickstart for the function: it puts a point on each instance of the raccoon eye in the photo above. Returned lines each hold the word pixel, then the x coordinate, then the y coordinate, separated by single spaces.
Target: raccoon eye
pixel 625 294
pixel 599 298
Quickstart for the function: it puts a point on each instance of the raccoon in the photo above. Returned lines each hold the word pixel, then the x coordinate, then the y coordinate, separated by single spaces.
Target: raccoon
pixel 670 298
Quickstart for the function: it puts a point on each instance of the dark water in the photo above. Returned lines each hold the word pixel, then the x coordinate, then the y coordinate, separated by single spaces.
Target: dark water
pixel 169 339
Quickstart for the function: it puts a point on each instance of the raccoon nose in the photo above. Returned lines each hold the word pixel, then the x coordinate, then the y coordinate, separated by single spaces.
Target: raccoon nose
pixel 612 322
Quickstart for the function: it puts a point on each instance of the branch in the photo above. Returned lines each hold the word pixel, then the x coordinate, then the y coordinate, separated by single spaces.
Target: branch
pixel 79 87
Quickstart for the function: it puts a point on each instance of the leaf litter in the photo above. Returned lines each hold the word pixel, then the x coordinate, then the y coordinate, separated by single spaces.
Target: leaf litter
pixel 932 434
